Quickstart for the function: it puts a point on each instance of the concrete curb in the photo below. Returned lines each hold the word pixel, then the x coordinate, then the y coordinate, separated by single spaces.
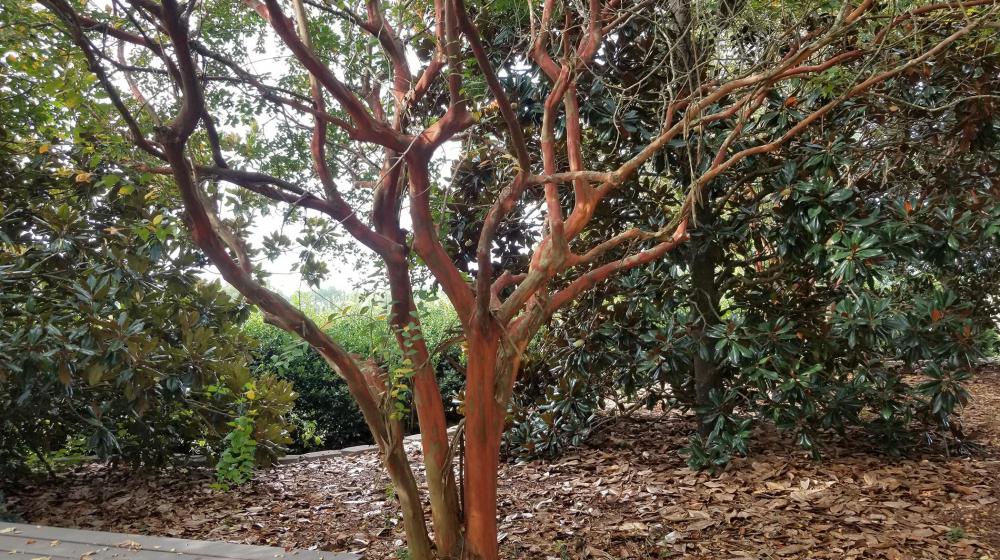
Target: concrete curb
pixel 328 454
pixel 353 450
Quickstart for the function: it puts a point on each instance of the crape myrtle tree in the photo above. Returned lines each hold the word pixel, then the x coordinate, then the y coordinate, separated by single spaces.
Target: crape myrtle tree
pixel 379 112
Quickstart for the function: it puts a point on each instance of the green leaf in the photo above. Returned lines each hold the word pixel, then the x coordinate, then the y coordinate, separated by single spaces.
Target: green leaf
pixel 841 195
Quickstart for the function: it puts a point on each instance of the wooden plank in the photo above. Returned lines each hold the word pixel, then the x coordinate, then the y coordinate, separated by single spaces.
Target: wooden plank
pixel 74 543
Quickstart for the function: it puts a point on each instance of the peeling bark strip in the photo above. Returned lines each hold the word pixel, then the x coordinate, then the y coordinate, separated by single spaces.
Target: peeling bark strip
pixel 497 329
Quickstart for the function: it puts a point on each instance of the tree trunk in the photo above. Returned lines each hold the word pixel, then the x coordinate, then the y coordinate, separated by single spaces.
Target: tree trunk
pixel 389 439
pixel 441 486
pixel 398 466
pixel 279 312
pixel 705 306
pixel 484 419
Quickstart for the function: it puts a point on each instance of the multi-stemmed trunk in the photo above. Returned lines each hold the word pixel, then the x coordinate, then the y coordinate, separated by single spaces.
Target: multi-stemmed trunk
pixel 441 487
pixel 485 411
pixel 484 423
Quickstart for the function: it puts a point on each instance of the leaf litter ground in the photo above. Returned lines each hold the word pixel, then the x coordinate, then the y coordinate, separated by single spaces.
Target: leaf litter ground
pixel 627 494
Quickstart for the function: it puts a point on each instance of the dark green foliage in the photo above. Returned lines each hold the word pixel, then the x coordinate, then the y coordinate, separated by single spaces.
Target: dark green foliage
pixel 108 333
pixel 856 272
pixel 561 417
pixel 111 343
pixel 322 400
pixel 5 513
pixel 325 413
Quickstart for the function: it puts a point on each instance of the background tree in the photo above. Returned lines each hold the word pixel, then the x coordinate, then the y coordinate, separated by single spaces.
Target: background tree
pixel 885 209
pixel 110 342
pixel 194 92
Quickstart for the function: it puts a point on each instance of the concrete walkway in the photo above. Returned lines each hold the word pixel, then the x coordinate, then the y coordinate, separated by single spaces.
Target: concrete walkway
pixel 35 542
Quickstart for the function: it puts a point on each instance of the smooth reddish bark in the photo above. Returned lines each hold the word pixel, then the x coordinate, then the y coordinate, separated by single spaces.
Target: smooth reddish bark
pixel 442 488
pixel 484 418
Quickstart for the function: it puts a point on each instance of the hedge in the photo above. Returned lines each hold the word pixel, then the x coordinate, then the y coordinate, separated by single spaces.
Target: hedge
pixel 325 414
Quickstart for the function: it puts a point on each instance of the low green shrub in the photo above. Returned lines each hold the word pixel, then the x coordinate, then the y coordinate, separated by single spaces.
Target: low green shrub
pixel 325 414
pixel 236 463
pixel 111 341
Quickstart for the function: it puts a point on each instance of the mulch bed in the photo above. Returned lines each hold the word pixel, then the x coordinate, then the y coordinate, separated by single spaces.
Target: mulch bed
pixel 627 495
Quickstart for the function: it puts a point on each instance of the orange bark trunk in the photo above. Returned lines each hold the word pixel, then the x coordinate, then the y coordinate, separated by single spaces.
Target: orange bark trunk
pixel 483 429
pixel 441 486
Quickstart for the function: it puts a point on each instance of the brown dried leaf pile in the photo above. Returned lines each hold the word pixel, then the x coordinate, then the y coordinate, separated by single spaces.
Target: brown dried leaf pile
pixel 627 495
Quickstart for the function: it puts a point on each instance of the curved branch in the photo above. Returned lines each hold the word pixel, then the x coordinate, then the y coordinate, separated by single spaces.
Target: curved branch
pixel 427 244
pixel 368 128
pixel 815 115
pixel 601 273
pixel 75 31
